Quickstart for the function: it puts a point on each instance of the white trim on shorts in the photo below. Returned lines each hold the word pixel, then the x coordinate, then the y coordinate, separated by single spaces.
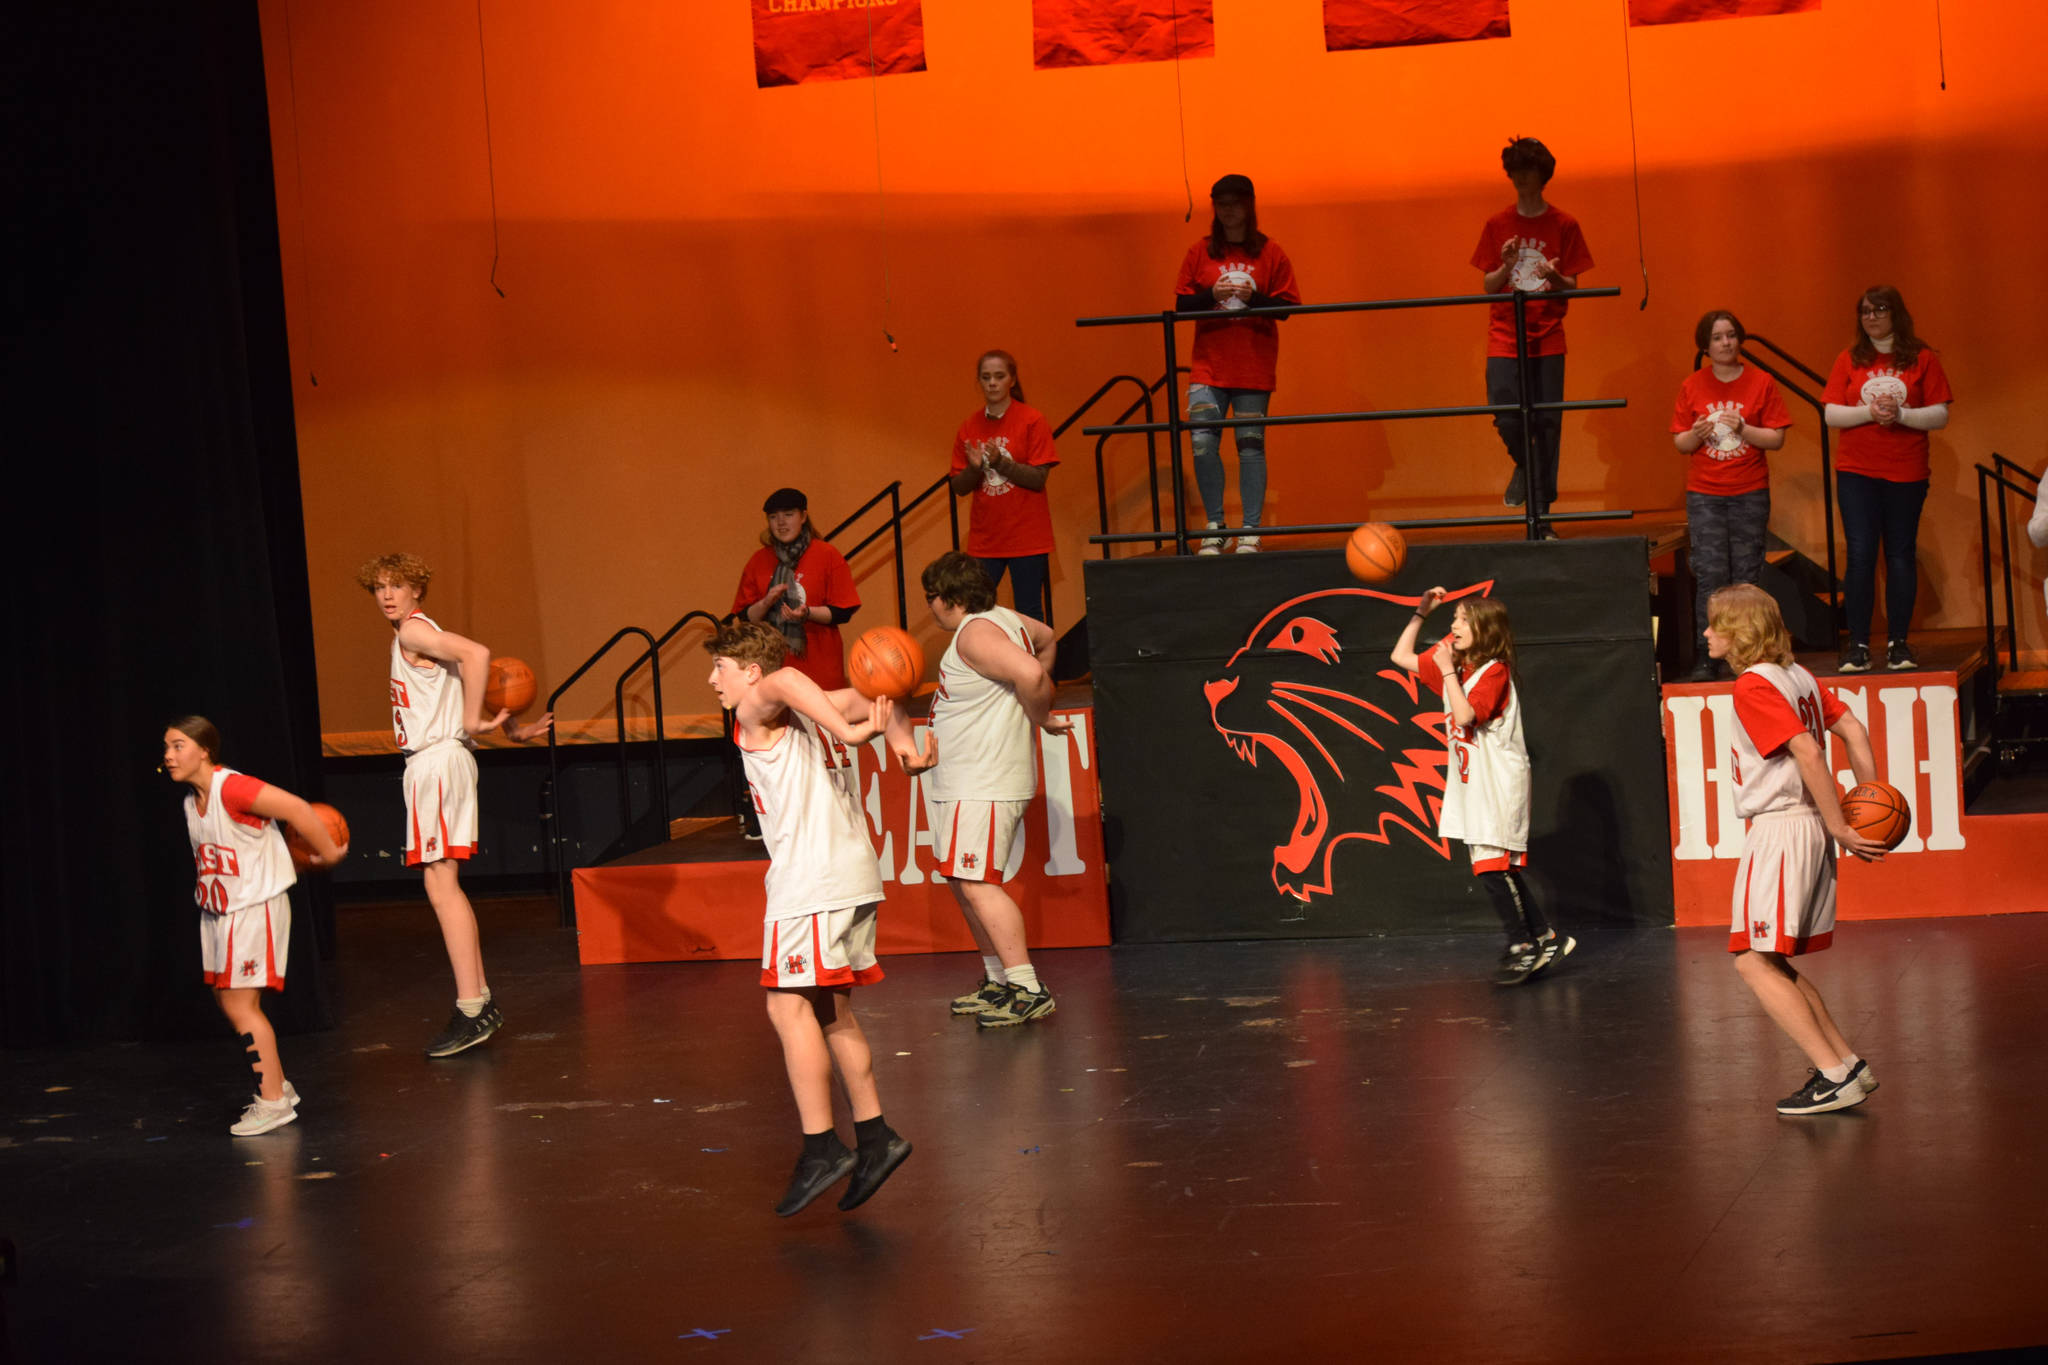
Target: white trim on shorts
pixel 982 833
pixel 1784 900
pixel 825 948
pixel 247 948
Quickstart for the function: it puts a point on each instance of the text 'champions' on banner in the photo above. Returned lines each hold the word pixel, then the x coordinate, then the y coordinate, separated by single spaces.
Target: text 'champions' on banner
pixel 835 40
pixel 1352 24
pixel 1693 11
pixel 1104 32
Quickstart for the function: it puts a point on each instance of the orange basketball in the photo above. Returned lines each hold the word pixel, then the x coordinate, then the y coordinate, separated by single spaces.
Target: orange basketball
pixel 885 662
pixel 511 687
pixel 337 830
pixel 1878 811
pixel 1376 552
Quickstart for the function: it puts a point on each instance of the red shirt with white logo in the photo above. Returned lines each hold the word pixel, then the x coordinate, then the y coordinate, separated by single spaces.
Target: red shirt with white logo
pixel 1897 452
pixel 1725 464
pixel 1007 520
pixel 1551 235
pixel 1237 353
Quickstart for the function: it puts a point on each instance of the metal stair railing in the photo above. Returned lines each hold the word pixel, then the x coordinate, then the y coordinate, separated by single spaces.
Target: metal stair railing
pixel 1987 477
pixel 552 844
pixel 893 527
pixel 1146 391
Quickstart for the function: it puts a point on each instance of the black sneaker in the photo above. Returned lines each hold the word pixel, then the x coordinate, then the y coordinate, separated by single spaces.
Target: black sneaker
pixel 1553 950
pixel 1860 1074
pixel 1019 1006
pixel 982 998
pixel 1900 655
pixel 871 1166
pixel 1517 965
pixel 1819 1095
pixel 1855 659
pixel 464 1032
pixel 1518 489
pixel 813 1176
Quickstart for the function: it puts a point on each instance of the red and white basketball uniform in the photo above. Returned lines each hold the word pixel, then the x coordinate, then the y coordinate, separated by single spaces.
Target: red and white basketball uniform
pixel 1486 787
pixel 1785 885
pixel 823 881
pixel 245 919
pixel 440 770
pixel 987 772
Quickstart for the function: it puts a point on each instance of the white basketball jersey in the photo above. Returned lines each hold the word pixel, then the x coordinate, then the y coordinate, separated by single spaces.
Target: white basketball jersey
pixel 985 748
pixel 1486 791
pixel 819 857
pixel 1771 784
pixel 242 860
pixel 426 702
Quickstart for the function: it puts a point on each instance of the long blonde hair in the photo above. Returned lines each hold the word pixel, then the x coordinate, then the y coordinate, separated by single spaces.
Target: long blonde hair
pixel 1755 630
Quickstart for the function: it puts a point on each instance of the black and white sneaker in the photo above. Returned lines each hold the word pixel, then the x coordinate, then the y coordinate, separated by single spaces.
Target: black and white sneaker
pixel 982 998
pixel 1855 659
pixel 464 1033
pixel 1517 965
pixel 1859 1074
pixel 1019 1007
pixel 1819 1095
pixel 1900 655
pixel 1552 950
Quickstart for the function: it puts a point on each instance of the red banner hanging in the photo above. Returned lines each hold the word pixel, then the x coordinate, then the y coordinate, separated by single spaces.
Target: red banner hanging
pixel 1102 32
pixel 1349 24
pixel 835 40
pixel 1693 11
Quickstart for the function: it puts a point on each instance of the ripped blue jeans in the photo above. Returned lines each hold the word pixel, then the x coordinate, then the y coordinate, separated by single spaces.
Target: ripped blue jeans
pixel 1206 403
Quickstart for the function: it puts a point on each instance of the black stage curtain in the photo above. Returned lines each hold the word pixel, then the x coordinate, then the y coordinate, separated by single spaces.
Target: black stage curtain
pixel 159 562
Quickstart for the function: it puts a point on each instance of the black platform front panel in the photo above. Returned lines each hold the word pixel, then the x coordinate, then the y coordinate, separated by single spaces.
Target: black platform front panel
pixel 1268 773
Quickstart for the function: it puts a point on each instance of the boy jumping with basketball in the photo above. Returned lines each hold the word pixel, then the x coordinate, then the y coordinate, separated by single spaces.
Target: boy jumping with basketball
pixel 824 888
pixel 437 700
pixel 995 693
pixel 1784 904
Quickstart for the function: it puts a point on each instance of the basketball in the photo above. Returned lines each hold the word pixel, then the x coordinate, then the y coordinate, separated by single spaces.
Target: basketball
pixel 1376 552
pixel 337 830
pixel 511 687
pixel 1878 812
pixel 885 662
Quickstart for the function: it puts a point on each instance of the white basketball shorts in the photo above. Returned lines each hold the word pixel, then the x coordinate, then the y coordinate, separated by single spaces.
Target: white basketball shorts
pixel 976 841
pixel 440 804
pixel 826 948
pixel 1785 886
pixel 247 948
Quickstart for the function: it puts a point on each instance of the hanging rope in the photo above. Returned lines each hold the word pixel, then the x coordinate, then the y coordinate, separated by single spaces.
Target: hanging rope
pixel 1940 45
pixel 881 190
pixel 490 162
pixel 1634 162
pixel 1181 108
pixel 291 79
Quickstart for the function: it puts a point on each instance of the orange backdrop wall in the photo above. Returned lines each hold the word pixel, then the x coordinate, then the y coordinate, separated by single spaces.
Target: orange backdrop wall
pixel 693 274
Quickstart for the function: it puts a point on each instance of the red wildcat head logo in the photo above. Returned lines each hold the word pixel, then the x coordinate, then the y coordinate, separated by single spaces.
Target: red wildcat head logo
pixel 1363 742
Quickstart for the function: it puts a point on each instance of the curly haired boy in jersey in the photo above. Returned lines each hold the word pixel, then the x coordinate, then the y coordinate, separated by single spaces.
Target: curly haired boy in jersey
pixel 824 888
pixel 1784 903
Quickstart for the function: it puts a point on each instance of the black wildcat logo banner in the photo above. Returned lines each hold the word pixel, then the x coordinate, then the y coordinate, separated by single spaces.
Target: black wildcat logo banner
pixel 1363 743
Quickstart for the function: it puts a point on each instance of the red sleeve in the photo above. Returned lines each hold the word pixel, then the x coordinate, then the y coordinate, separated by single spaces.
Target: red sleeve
pixel 1933 380
pixel 1280 285
pixel 1831 708
pixel 1683 413
pixel 1426 669
pixel 1038 441
pixel 838 577
pixel 1184 283
pixel 1488 694
pixel 1770 408
pixel 1837 391
pixel 1486 256
pixel 1574 257
pixel 237 794
pixel 960 448
pixel 1766 717
pixel 754 581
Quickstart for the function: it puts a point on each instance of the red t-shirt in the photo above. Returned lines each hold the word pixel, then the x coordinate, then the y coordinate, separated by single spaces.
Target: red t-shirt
pixel 1897 452
pixel 1551 235
pixel 1007 520
pixel 1725 464
pixel 826 581
pixel 1487 700
pixel 1241 353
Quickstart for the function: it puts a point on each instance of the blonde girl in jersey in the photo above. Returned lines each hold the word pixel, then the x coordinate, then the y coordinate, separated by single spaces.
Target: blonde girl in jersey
pixel 245 916
pixel 1486 777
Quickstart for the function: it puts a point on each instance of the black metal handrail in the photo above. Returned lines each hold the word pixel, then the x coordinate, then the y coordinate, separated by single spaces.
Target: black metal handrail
pixel 1337 527
pixel 1986 476
pixel 1144 400
pixel 1827 456
pixel 1527 406
pixel 892 493
pixel 552 843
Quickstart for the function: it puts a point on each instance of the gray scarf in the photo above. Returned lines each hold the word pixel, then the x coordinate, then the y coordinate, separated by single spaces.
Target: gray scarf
pixel 786 557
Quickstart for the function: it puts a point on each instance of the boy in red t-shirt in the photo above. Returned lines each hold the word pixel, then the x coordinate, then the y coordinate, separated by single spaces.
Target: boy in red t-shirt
pixel 1530 246
pixel 1002 455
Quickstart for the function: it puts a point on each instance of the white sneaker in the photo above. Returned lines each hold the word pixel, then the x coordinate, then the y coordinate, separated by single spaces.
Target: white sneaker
pixel 263 1115
pixel 291 1096
pixel 1212 545
pixel 1247 545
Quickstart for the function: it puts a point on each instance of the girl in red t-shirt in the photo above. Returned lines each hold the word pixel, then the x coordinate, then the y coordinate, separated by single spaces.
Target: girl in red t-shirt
pixel 1235 360
pixel 1002 455
pixel 1887 391
pixel 1728 414
pixel 801 586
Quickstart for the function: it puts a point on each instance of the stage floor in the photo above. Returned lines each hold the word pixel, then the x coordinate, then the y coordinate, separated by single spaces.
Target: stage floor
pixel 1347 1149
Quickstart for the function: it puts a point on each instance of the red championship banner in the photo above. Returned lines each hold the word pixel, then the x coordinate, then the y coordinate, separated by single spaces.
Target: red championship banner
pixel 1951 863
pixel 1349 24
pixel 1103 32
pixel 1693 11
pixel 835 40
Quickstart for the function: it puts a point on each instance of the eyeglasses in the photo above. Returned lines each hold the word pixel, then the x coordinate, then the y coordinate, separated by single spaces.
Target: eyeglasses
pixel 1873 310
